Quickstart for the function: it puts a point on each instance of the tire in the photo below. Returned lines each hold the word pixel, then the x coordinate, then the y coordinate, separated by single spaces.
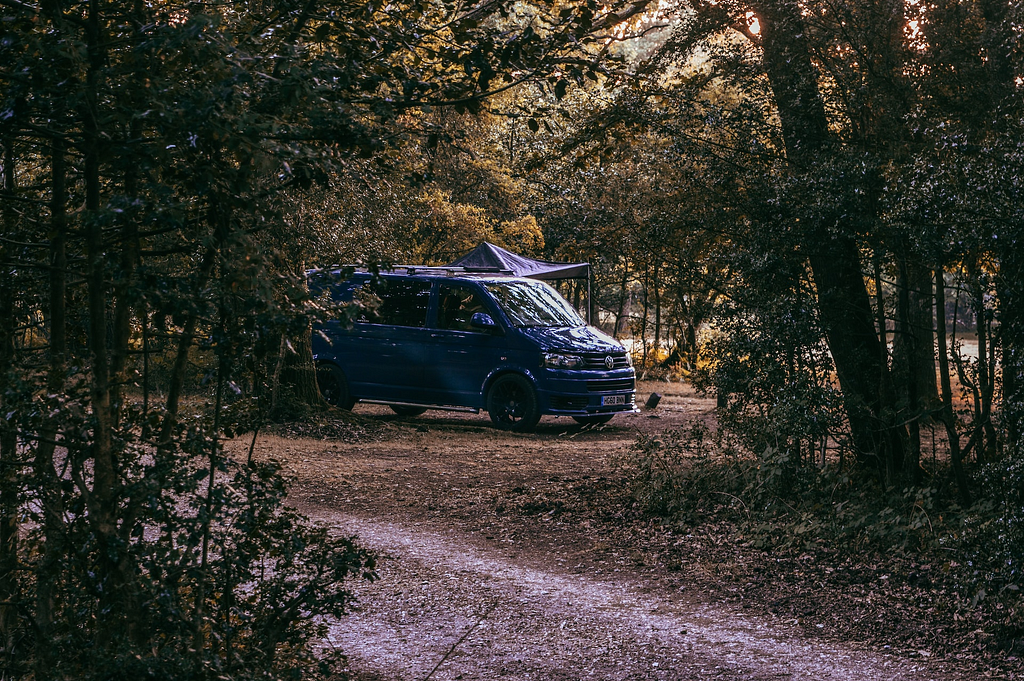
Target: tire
pixel 512 403
pixel 334 386
pixel 406 410
pixel 593 420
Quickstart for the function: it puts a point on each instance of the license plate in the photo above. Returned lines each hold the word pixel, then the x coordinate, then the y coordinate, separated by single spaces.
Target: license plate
pixel 613 399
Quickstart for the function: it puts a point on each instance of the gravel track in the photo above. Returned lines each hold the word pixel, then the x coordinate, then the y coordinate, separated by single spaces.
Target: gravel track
pixel 525 623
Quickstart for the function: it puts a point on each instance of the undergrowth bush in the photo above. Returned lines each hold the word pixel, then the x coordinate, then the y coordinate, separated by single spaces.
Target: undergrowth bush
pixel 690 475
pixel 665 468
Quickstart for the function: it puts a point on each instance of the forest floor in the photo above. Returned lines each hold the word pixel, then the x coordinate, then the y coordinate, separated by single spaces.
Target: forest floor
pixel 516 556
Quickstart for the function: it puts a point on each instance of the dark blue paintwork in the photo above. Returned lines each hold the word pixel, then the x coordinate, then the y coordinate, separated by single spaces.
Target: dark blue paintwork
pixel 431 366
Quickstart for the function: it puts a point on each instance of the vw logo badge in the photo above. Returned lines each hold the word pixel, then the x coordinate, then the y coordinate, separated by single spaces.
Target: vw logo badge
pixel 609 361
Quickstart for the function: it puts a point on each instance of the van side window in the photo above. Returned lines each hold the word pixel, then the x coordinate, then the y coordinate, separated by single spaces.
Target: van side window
pixel 457 305
pixel 402 302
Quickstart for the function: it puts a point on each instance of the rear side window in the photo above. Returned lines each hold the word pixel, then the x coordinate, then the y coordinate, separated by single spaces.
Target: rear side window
pixel 402 302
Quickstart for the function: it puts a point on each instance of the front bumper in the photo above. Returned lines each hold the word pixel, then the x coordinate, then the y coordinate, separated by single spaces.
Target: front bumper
pixel 587 393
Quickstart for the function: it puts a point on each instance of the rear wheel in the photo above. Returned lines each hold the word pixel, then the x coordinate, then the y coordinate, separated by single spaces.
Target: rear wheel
pixel 512 403
pixel 334 386
pixel 406 410
pixel 593 420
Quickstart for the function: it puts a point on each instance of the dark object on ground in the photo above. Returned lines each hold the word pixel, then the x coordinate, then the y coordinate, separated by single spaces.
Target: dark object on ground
pixel 407 410
pixel 653 400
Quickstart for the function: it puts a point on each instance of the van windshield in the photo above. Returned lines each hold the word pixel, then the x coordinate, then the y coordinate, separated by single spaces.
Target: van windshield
pixel 533 304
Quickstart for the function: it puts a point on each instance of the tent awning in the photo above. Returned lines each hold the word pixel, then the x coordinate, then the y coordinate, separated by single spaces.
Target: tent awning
pixel 489 255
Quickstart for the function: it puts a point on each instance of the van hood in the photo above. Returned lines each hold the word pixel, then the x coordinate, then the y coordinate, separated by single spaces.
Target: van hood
pixel 571 339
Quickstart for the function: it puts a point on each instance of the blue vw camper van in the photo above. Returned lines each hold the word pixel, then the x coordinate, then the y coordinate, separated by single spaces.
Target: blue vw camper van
pixel 450 338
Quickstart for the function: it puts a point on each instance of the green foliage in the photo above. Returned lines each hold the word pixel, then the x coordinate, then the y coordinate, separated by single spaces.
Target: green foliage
pixel 768 363
pixel 269 585
pixel 992 543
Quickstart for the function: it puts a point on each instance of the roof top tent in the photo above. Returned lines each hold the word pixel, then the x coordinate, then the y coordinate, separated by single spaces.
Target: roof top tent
pixel 490 256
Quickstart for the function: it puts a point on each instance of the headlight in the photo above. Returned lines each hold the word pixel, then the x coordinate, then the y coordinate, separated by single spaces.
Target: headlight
pixel 554 360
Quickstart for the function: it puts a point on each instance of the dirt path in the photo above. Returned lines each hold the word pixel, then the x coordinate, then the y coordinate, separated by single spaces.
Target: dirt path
pixel 526 623
pixel 518 540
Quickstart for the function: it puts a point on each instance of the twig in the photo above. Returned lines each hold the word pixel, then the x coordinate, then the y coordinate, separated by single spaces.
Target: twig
pixel 252 445
pixel 733 497
pixel 463 638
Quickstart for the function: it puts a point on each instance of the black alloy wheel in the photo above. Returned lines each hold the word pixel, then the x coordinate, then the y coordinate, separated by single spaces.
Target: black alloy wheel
pixel 512 403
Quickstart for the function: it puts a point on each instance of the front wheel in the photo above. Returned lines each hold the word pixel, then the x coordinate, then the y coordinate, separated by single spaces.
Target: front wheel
pixel 593 420
pixel 334 386
pixel 512 403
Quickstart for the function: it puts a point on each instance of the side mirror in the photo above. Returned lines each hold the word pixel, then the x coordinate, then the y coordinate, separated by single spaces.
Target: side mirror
pixel 483 322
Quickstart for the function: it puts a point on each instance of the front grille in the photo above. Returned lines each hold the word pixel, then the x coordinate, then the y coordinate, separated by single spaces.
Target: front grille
pixel 609 385
pixel 595 360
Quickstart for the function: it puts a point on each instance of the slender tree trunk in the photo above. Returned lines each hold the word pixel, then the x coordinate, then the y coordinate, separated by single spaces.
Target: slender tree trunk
pixel 623 296
pixel 214 454
pixel 102 513
pixel 48 482
pixel 118 596
pixel 9 472
pixel 646 316
pixel 178 369
pixel 948 418
pixel 914 345
pixel 124 291
pixel 657 310
pixel 986 438
pixel 883 333
pixel 909 342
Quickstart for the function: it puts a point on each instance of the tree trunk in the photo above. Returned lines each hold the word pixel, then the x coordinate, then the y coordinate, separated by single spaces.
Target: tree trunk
pixel 299 393
pixel 948 418
pixel 645 317
pixel 832 251
pixel 48 480
pixel 180 365
pixel 986 437
pixel 657 310
pixel 124 291
pixel 118 596
pixel 909 340
pixel 914 345
pixel 9 501
pixel 623 297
